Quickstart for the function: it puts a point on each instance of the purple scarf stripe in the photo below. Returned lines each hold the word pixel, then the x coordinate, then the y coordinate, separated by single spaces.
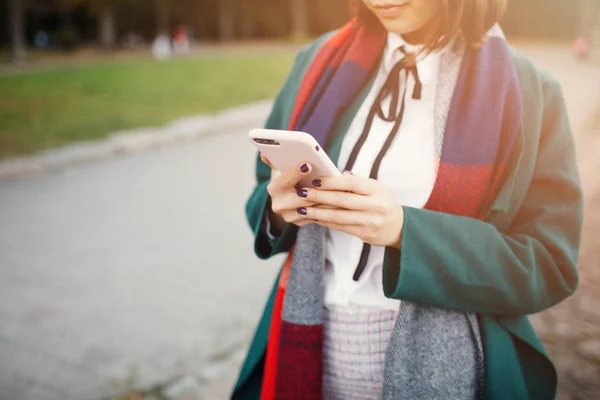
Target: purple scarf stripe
pixel 334 101
pixel 473 138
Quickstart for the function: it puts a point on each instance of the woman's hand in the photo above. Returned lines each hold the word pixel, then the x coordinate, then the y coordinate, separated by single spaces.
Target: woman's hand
pixel 285 199
pixel 361 207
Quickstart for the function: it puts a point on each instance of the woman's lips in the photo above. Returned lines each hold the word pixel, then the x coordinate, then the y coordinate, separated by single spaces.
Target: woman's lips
pixel 390 10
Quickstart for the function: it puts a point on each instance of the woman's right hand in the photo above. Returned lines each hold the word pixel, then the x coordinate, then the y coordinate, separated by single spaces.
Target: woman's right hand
pixel 287 203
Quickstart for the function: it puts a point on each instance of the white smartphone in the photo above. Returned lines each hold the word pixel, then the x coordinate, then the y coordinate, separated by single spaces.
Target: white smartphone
pixel 287 149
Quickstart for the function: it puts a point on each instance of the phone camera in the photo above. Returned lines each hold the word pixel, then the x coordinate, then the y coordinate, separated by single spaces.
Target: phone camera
pixel 267 141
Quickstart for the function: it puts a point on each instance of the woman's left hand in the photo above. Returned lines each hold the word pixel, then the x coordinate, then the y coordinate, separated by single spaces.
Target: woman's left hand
pixel 359 206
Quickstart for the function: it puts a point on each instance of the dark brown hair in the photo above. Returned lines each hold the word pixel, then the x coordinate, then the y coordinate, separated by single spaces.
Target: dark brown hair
pixel 471 19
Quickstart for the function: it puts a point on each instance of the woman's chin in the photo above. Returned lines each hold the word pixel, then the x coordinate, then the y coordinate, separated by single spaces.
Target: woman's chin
pixel 397 26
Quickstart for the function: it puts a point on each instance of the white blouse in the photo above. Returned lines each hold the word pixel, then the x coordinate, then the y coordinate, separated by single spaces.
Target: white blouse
pixel 408 169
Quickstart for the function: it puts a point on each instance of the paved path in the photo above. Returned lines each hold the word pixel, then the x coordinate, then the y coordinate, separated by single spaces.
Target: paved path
pixel 142 266
pixel 581 88
pixel 143 260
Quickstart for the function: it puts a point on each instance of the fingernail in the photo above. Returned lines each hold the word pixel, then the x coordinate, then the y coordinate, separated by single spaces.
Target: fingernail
pixel 316 183
pixel 304 168
pixel 302 211
pixel 302 193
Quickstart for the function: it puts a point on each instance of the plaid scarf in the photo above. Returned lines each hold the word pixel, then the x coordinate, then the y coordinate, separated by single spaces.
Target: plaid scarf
pixel 433 353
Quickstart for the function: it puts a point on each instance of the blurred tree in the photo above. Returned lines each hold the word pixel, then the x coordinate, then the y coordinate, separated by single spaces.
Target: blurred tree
pixel 246 18
pixel 67 37
pixel 105 14
pixel 163 20
pixel 42 6
pixel 17 28
pixel 299 19
pixel 107 30
pixel 226 20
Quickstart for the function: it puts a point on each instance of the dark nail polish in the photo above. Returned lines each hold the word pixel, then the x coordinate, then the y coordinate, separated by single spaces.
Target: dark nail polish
pixel 302 193
pixel 316 183
pixel 304 168
pixel 302 211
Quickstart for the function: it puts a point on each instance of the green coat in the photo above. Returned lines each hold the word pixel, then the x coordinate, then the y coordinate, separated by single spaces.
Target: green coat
pixel 519 261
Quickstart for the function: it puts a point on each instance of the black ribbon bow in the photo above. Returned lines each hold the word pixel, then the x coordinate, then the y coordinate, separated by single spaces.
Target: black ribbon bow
pixel 391 88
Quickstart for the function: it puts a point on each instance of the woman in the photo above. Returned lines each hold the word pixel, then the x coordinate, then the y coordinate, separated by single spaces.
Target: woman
pixel 411 277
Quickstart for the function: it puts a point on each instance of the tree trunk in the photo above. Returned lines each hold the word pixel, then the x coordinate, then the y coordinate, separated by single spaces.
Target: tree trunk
pixel 161 9
pixel 106 27
pixel 226 20
pixel 17 27
pixel 299 19
pixel 246 15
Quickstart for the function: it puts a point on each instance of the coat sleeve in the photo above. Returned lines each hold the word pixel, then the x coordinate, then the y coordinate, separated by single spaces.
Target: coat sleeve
pixel 455 262
pixel 259 202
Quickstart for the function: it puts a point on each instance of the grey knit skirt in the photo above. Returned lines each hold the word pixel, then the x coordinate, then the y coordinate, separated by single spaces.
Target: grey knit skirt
pixel 354 350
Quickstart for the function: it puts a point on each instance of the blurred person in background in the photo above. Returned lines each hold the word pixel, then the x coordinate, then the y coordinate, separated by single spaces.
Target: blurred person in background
pixel 181 40
pixel 412 276
pixel 589 16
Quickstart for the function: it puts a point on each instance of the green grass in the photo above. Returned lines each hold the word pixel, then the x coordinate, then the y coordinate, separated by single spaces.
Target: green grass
pixel 50 108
